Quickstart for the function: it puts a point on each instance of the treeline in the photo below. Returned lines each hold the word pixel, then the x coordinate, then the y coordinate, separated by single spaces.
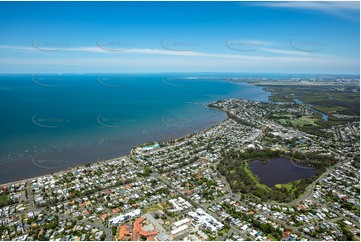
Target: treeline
pixel 311 159
pixel 5 199
pixel 233 167
pixel 232 116
pixel 241 182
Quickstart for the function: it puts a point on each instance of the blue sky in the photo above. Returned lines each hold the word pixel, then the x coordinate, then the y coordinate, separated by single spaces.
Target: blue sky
pixel 131 37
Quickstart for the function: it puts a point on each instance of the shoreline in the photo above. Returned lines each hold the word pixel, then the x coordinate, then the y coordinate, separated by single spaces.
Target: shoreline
pixel 57 172
pixel 24 169
pixel 122 156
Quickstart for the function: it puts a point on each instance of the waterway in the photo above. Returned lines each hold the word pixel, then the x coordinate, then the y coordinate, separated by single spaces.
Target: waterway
pixel 324 116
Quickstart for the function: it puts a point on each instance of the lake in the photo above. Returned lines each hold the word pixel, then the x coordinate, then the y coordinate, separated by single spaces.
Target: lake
pixel 280 170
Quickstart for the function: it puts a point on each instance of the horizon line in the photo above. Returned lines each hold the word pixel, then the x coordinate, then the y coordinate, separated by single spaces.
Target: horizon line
pixel 178 72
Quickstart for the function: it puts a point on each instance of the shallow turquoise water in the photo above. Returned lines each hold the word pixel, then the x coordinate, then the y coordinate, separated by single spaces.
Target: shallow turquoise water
pixel 50 122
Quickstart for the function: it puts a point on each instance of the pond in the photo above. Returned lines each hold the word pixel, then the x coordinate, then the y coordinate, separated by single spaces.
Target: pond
pixel 280 170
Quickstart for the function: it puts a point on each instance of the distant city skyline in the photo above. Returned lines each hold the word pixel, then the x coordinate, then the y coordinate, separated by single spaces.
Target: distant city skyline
pixel 149 37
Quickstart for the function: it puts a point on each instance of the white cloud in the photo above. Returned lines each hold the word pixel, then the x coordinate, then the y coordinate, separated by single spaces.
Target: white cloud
pixel 16 48
pixel 297 54
pixel 341 8
pixel 151 60
pixel 292 52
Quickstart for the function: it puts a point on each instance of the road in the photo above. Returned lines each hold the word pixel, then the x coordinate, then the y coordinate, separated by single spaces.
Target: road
pixel 34 208
pixel 310 188
pixel 108 232
pixel 196 204
pixel 30 196
pixel 160 228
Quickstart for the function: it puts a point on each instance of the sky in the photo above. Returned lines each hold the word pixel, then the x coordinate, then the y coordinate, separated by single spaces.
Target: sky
pixel 150 37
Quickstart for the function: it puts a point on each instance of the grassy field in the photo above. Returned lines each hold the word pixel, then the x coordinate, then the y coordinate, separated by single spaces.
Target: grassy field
pixel 153 208
pixel 254 178
pixel 302 121
pixel 291 186
pixel 288 186
pixel 328 110
pixel 309 124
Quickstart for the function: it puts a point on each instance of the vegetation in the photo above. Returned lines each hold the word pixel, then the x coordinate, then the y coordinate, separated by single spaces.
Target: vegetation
pixel 346 233
pixel 288 186
pixel 266 228
pixel 327 99
pixel 4 200
pixel 147 171
pixel 114 230
pixel 309 124
pixel 234 167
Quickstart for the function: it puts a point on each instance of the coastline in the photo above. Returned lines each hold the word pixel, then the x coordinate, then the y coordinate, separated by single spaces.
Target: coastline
pixel 70 168
pixel 37 165
pixel 81 140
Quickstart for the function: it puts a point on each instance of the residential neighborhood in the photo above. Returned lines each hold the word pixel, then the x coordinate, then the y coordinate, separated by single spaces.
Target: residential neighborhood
pixel 173 191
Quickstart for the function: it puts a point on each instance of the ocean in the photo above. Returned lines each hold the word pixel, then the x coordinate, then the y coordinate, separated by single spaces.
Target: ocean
pixel 50 122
